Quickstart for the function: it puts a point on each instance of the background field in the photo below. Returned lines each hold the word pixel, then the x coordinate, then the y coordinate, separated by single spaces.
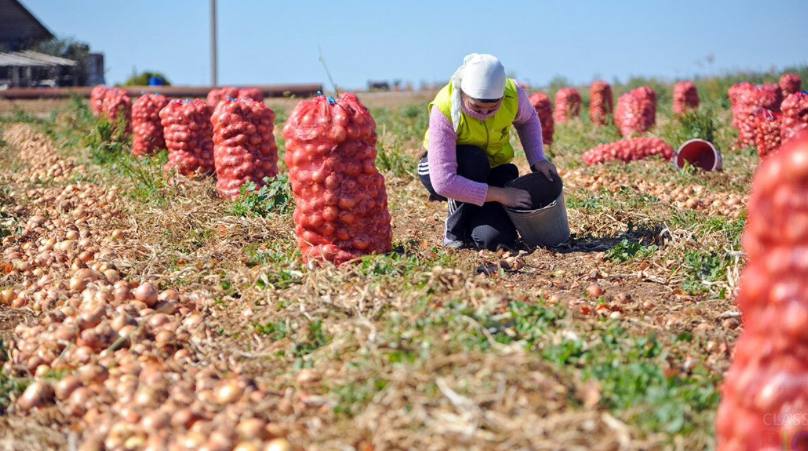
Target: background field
pixel 427 347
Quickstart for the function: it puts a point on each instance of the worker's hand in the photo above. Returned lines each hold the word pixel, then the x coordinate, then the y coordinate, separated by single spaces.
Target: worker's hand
pixel 546 168
pixel 510 197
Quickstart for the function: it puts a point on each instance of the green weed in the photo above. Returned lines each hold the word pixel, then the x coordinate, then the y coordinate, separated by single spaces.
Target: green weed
pixel 275 197
pixel 627 250
pixel 702 270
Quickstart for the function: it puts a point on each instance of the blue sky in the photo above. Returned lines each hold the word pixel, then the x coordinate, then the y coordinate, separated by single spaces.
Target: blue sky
pixel 264 42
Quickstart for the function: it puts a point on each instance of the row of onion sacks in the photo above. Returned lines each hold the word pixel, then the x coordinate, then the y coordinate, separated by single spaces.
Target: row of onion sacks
pixel 341 202
pixel 244 145
pixel 764 397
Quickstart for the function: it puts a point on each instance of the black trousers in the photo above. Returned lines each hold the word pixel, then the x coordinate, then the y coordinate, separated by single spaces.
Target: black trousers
pixel 486 227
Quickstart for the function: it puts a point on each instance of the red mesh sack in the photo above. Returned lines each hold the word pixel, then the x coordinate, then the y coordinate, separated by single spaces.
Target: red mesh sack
pixel 341 202
pixel 147 131
pixel 770 96
pixel 116 105
pixel 745 99
pixel 567 105
pixel 217 95
pixel 743 102
pixel 767 131
pixel 243 145
pixel 189 136
pixel 97 100
pixel 628 150
pixel 685 97
pixel 544 108
pixel 636 111
pixel 795 115
pixel 764 397
pixel 251 93
pixel 789 84
pixel 601 102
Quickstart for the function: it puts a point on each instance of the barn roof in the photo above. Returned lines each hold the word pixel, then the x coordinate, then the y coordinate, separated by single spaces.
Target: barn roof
pixel 18 24
pixel 30 58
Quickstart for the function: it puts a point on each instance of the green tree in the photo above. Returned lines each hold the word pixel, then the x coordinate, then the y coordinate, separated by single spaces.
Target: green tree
pixel 142 79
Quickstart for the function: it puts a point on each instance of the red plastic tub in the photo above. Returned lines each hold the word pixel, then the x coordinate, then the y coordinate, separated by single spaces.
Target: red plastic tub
pixel 700 153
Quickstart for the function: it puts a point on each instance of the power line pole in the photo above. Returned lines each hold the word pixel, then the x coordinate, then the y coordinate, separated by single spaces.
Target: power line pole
pixel 214 69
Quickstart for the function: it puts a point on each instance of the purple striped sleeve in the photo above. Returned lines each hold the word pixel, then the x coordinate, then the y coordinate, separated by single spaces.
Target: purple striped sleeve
pixel 442 157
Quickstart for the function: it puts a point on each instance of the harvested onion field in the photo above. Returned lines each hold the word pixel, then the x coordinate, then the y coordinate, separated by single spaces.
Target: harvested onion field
pixel 206 327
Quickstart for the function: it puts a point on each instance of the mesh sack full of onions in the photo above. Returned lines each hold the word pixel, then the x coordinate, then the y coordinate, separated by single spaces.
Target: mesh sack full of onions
pixel 685 97
pixel 251 93
pixel 116 106
pixel 341 202
pixel 147 131
pixel 567 105
pixel 627 150
pixel 544 108
pixel 766 387
pixel 789 84
pixel 217 95
pixel 767 131
pixel 795 115
pixel 244 147
pixel 189 136
pixel 745 99
pixel 636 111
pixel 97 99
pixel 601 102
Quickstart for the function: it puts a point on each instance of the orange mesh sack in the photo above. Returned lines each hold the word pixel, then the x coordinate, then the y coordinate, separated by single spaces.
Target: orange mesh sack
pixel 601 102
pixel 628 150
pixel 795 115
pixel 341 202
pixel 189 136
pixel 147 131
pixel 544 108
pixel 685 97
pixel 243 145
pixel 567 105
pixel 636 111
pixel 764 397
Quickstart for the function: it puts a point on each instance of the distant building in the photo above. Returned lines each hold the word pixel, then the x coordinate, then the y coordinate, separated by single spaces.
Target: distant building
pixel 19 28
pixel 378 85
pixel 33 69
pixel 94 65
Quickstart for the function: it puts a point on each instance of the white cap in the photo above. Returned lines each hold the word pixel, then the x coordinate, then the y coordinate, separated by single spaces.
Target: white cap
pixel 483 76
